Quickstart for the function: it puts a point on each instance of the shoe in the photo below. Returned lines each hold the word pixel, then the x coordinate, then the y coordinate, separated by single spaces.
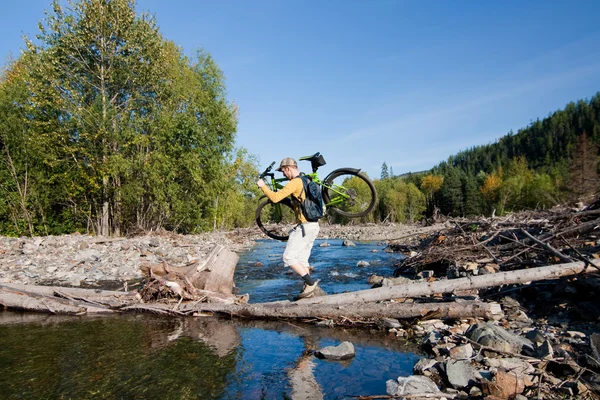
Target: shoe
pixel 308 291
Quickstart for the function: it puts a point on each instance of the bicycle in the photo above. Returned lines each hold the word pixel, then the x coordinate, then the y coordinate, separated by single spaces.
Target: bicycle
pixel 346 191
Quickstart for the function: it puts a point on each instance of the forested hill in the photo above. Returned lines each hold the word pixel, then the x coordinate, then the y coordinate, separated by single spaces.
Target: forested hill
pixel 549 162
pixel 546 144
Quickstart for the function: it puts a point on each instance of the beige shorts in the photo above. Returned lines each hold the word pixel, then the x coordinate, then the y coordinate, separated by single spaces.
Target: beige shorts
pixel 299 246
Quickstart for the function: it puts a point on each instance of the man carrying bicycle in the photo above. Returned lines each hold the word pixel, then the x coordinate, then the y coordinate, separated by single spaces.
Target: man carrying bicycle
pixel 302 237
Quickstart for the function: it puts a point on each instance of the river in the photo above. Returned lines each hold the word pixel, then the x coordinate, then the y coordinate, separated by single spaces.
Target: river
pixel 151 357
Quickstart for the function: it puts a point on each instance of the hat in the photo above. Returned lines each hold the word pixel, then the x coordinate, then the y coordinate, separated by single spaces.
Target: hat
pixel 287 162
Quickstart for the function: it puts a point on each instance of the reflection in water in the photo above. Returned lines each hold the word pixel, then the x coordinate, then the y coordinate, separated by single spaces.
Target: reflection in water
pixel 147 357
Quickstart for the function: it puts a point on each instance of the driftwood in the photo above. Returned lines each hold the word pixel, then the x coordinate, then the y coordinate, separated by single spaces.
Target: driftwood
pixel 19 300
pixel 214 273
pixel 95 295
pixel 452 285
pixel 358 312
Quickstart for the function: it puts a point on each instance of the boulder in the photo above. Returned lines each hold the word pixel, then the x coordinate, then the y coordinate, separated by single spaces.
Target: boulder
pixel 460 373
pixel 498 338
pixel 410 385
pixel 343 351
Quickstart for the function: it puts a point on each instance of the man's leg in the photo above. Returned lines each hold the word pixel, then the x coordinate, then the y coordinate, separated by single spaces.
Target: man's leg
pixel 298 251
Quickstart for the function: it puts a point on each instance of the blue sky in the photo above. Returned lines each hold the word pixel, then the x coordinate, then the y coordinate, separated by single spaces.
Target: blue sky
pixel 363 82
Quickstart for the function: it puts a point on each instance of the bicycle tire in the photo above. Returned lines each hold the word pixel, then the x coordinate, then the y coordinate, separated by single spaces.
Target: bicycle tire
pixel 362 192
pixel 275 219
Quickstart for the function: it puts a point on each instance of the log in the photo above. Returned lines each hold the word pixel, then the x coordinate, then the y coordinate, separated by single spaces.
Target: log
pixel 108 297
pixel 214 273
pixel 18 300
pixel 358 312
pixel 451 285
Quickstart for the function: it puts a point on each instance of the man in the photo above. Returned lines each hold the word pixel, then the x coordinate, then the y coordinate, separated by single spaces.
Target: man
pixel 302 237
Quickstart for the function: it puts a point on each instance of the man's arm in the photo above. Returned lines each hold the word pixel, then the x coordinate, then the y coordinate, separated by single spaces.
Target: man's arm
pixel 291 187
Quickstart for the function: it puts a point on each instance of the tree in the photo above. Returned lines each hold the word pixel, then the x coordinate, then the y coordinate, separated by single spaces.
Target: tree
pixel 583 170
pixel 384 171
pixel 136 136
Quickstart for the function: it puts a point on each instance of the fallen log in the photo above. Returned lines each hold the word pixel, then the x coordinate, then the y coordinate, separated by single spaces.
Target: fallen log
pixel 19 300
pixel 353 312
pixel 418 289
pixel 109 298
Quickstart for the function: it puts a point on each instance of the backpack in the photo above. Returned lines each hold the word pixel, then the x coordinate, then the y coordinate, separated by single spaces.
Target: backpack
pixel 312 207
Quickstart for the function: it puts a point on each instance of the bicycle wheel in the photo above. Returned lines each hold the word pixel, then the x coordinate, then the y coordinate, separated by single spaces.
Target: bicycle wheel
pixel 349 192
pixel 276 219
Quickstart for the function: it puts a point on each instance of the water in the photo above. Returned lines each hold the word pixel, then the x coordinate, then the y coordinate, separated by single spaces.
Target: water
pixel 261 273
pixel 151 357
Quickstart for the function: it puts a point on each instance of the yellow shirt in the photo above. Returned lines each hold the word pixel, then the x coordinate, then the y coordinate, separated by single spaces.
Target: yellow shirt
pixel 294 187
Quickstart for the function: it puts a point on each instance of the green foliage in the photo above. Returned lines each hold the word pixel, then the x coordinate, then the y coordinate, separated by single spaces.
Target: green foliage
pixel 399 201
pixel 107 128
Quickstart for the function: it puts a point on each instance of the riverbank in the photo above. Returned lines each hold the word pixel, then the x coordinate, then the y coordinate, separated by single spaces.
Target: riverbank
pixel 85 260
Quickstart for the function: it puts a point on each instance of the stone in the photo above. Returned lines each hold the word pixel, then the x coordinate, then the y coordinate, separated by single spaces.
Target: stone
pixel 475 392
pixel 389 323
pixel 496 337
pixel 460 373
pixel 363 263
pixel 343 351
pixel 410 385
pixel 471 266
pixel 461 352
pixel 544 350
pixel 88 255
pixel 535 336
pixel 348 243
pixel 324 244
pixel 510 364
pixel 424 365
pixel 425 274
pixel 505 385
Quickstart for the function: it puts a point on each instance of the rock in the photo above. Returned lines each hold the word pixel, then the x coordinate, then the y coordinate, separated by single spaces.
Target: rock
pixel 324 244
pixel 389 323
pixel 517 365
pixel 535 336
pixel 498 338
pixel 88 255
pixel 424 365
pixel 29 248
pixel 471 266
pixel 544 350
pixel 343 351
pixel 363 263
pixel 505 385
pixel 460 373
pixel 410 385
pixel 475 392
pixel 425 274
pixel 575 334
pixel 348 243
pixel 461 352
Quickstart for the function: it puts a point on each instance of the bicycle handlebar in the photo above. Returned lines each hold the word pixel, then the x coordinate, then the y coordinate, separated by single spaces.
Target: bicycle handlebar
pixel 266 171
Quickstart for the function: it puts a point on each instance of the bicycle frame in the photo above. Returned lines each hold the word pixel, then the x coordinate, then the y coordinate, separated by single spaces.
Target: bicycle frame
pixel 276 183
